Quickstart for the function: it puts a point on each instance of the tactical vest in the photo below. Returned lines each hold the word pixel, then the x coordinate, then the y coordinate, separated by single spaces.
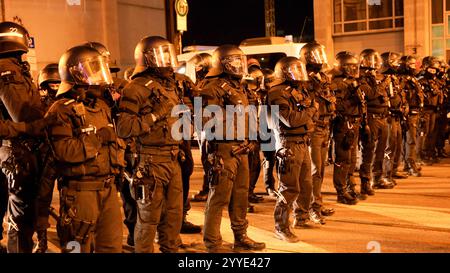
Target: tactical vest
pixel 347 103
pixel 320 87
pixel 160 132
pixel 413 91
pixel 431 93
pixel 299 100
pixel 110 158
pixel 233 95
pixel 378 100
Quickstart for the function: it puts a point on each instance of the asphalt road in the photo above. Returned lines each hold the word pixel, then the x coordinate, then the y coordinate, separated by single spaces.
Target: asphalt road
pixel 412 217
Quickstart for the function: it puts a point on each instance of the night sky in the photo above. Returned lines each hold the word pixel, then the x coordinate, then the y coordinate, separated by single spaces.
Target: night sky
pixel 231 21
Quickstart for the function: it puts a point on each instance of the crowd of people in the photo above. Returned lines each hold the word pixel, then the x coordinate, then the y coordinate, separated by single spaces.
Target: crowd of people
pixel 96 136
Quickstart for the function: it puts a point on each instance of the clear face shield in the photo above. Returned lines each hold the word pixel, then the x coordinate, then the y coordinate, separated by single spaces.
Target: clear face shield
pixel 235 65
pixel 317 56
pixel 372 61
pixel 257 81
pixel 351 69
pixel 297 72
pixel 162 56
pixel 92 72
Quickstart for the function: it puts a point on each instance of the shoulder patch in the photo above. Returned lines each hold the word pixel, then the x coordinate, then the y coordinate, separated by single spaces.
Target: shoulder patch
pixel 6 73
pixel 69 102
pixel 148 83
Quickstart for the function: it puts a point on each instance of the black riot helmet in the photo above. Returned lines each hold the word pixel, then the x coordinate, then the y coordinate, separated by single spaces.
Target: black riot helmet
pixel 155 52
pixel 202 63
pixel 370 59
pixel 291 69
pixel 347 64
pixel 269 77
pixel 105 53
pixel 14 38
pixel 228 59
pixel 430 66
pixel 408 65
pixel 48 74
pixel 256 81
pixel 313 54
pixel 82 66
pixel 390 62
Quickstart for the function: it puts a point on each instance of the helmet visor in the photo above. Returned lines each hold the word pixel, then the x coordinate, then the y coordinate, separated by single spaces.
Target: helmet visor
pixel 371 61
pixel 317 56
pixel 235 64
pixel 162 56
pixel 351 70
pixel 297 72
pixel 92 72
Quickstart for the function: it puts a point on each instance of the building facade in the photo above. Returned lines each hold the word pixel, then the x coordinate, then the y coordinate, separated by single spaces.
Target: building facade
pixel 420 27
pixel 57 25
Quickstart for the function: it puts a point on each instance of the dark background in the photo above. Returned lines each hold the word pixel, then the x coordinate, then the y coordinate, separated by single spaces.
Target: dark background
pixel 231 21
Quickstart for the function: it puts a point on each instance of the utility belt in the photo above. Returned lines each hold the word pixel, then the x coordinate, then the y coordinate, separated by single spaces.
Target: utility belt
pixel 413 112
pixel 296 139
pixel 96 184
pixel 351 119
pixel 377 115
pixel 323 121
pixel 171 151
pixel 30 144
pixel 433 108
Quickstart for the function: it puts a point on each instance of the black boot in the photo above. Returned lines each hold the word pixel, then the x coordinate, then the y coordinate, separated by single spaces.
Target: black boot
pixel 346 198
pixel 189 228
pixel 41 247
pixel 413 169
pixel 243 242
pixel 366 187
pixel 382 183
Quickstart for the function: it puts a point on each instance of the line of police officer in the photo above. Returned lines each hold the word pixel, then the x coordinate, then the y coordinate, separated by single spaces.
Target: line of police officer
pixel 101 132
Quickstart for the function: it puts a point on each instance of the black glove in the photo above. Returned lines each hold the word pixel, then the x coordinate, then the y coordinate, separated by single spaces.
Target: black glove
pixel 160 111
pixel 107 134
pixel 37 127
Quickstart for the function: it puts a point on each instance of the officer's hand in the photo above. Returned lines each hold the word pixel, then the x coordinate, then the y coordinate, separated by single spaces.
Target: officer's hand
pixel 37 127
pixel 160 111
pixel 107 134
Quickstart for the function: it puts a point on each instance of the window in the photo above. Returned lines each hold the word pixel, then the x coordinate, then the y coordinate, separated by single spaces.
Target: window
pixel 367 15
pixel 440 28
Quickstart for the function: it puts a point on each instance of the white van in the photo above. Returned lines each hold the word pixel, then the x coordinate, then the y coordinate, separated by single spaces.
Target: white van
pixel 267 50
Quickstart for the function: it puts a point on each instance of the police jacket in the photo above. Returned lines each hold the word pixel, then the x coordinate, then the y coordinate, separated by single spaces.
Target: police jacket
pixel 347 102
pixel 295 109
pixel 377 93
pixel 78 149
pixel 413 92
pixel 20 100
pixel 432 93
pixel 139 100
pixel 229 95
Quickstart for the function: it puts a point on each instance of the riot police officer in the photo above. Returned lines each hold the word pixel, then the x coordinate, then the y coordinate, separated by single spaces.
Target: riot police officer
pixel 48 81
pixel 313 54
pixel 398 111
pixel 128 203
pixel 146 107
pixel 202 64
pixel 349 110
pixel 228 149
pixel 414 97
pixel 253 89
pixel 296 110
pixel 88 153
pixel 20 103
pixel 433 97
pixel 374 144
